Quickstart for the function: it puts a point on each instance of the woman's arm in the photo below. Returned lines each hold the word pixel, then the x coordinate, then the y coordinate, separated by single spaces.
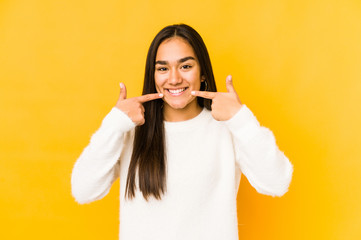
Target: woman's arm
pixel 267 169
pixel 97 167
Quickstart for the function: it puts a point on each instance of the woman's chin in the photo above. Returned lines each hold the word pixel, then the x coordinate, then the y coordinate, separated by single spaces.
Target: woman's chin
pixel 181 104
pixel 177 106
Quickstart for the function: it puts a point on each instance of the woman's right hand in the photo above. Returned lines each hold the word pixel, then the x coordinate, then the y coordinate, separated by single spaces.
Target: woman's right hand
pixel 133 107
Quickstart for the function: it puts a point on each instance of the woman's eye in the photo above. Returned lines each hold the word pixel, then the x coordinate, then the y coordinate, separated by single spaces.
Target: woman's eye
pixel 162 69
pixel 186 66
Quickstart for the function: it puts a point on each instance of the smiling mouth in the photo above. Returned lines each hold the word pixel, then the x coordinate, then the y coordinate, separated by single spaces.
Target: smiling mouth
pixel 176 91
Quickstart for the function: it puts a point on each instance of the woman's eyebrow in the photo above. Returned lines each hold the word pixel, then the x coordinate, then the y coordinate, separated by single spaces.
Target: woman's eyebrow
pixel 186 59
pixel 161 62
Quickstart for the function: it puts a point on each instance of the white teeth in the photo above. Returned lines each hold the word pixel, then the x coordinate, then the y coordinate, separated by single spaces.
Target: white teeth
pixel 176 91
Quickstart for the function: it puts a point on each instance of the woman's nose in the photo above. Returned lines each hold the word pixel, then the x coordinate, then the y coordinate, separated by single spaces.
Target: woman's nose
pixel 174 77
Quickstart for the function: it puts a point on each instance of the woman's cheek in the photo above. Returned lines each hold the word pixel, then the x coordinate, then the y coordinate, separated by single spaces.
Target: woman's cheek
pixel 158 83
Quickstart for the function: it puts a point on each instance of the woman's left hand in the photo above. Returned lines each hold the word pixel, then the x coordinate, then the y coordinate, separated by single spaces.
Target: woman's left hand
pixel 224 104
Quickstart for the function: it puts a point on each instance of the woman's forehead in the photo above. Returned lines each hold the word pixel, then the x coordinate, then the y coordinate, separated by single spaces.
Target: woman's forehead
pixel 173 49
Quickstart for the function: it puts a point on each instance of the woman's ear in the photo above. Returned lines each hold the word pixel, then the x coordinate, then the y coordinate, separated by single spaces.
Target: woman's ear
pixel 203 78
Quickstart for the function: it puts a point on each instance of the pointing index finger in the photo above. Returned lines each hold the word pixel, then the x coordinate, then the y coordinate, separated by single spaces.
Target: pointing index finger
pixel 204 94
pixel 149 97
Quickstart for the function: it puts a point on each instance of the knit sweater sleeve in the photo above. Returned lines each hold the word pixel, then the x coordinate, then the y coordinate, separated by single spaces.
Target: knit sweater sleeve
pixel 97 167
pixel 267 168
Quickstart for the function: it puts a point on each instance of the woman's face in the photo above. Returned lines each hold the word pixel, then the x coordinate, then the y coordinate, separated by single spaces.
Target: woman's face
pixel 177 73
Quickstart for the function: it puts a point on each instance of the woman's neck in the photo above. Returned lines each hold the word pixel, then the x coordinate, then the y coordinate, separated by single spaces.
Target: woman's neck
pixel 177 115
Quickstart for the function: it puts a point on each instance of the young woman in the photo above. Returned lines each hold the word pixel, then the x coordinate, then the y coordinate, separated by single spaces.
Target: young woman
pixel 179 149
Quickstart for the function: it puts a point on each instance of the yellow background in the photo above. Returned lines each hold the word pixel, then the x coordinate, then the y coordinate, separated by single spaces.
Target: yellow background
pixel 295 63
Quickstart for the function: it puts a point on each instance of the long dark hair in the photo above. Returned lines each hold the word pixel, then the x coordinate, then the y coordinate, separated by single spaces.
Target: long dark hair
pixel 149 156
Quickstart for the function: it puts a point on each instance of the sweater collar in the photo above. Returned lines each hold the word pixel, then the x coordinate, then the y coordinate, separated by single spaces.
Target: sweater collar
pixel 188 124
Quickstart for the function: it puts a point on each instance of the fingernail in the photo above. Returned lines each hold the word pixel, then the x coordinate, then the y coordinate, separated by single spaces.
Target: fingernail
pixel 161 95
pixel 193 92
pixel 121 85
pixel 229 78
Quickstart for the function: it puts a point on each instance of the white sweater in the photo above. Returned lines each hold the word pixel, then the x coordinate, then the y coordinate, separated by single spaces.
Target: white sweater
pixel 205 159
